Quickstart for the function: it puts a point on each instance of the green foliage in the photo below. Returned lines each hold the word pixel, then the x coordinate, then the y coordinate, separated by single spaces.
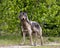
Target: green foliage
pixel 45 12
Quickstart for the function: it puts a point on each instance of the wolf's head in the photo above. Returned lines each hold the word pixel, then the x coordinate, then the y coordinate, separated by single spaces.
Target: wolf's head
pixel 23 16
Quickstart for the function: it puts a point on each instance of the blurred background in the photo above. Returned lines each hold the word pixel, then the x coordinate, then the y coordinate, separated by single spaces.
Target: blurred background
pixel 45 12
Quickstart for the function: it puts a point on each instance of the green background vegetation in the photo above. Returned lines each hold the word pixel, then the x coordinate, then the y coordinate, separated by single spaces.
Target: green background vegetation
pixel 45 12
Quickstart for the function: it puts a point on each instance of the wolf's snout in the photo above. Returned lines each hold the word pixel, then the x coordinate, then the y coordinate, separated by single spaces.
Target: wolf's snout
pixel 23 19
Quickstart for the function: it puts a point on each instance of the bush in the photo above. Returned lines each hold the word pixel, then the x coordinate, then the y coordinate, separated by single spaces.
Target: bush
pixel 45 12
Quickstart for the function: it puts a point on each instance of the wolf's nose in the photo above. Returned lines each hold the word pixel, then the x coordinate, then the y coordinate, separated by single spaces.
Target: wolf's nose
pixel 23 19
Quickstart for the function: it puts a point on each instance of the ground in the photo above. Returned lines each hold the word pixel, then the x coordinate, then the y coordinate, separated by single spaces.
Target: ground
pixel 16 46
pixel 12 41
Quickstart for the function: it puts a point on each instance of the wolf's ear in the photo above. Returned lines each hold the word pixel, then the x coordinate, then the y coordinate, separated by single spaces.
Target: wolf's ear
pixel 21 11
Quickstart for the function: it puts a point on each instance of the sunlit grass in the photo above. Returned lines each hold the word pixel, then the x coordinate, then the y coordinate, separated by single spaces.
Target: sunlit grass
pixel 10 40
pixel 17 40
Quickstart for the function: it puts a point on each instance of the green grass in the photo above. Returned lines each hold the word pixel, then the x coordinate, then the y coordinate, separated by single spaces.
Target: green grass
pixel 10 40
pixel 16 40
pixel 51 39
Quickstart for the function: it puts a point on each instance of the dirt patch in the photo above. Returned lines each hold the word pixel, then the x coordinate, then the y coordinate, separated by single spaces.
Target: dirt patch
pixel 50 45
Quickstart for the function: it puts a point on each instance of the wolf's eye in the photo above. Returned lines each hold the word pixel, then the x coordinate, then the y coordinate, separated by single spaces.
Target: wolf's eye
pixel 25 14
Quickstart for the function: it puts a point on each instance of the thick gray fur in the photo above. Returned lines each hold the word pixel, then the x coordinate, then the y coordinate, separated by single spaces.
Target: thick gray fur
pixel 30 27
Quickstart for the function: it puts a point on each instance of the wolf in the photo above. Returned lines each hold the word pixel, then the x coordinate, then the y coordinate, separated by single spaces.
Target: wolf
pixel 30 27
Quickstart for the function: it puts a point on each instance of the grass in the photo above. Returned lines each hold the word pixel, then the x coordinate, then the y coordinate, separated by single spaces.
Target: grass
pixel 16 40
pixel 52 39
pixel 9 40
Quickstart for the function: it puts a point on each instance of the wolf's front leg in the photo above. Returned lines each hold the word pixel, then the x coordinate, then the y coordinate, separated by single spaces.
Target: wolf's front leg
pixel 30 35
pixel 24 37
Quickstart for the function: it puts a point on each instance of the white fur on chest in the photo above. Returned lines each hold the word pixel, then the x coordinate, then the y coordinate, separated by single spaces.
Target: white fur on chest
pixel 26 26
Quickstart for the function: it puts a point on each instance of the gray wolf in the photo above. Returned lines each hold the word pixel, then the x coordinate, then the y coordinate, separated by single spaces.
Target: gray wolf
pixel 30 27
